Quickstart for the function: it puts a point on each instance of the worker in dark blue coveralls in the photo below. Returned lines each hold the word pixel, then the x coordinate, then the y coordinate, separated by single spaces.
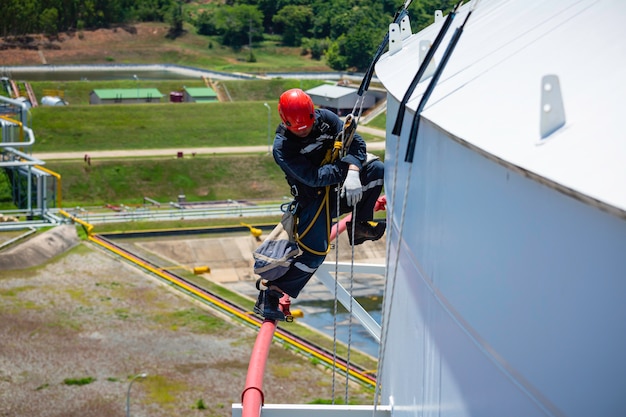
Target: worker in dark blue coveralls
pixel 302 144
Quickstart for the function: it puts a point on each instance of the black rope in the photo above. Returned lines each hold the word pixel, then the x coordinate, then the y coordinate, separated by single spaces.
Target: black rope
pixel 410 151
pixel 365 83
pixel 397 127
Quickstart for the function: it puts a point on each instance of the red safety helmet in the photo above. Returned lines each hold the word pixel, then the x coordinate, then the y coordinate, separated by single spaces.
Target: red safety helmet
pixel 296 110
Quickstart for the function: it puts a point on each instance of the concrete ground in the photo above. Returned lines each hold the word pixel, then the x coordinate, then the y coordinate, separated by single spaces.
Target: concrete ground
pixel 85 316
pixel 230 260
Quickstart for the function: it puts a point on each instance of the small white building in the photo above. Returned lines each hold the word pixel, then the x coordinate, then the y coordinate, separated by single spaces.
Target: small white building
pixel 338 99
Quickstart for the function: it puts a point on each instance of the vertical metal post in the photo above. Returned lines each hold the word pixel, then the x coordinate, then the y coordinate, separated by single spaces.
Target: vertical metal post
pixel 269 127
pixel 136 85
pixel 142 375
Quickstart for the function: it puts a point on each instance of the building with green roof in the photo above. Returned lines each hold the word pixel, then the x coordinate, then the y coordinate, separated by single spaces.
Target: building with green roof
pixel 199 95
pixel 125 96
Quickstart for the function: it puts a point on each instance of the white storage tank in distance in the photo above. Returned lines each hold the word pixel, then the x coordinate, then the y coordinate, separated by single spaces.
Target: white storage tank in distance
pixel 52 101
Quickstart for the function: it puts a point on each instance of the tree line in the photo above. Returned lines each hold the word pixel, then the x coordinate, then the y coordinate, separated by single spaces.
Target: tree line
pixel 345 33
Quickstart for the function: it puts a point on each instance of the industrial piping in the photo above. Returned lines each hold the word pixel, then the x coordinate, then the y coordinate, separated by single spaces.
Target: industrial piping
pixel 252 398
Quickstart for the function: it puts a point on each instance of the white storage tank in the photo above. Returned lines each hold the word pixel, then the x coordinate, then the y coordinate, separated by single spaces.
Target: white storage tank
pixel 53 101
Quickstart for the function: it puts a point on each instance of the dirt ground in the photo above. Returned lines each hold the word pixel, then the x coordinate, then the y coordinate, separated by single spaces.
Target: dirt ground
pixel 86 317
pixel 139 42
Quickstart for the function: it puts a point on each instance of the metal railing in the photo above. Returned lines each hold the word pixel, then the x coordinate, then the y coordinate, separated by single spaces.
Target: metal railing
pixel 178 212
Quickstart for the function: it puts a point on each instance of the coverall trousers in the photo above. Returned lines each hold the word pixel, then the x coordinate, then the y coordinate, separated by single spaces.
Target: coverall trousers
pixel 315 240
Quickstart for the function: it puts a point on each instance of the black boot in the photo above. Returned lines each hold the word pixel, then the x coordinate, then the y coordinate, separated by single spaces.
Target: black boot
pixel 267 305
pixel 370 230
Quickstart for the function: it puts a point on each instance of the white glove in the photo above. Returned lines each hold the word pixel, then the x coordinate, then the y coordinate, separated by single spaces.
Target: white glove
pixel 352 188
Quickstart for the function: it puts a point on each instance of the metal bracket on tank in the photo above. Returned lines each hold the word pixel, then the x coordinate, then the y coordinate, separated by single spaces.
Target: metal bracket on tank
pixel 425 45
pixel 398 33
pixel 405 27
pixel 552 109
pixel 438 15
pixel 395 38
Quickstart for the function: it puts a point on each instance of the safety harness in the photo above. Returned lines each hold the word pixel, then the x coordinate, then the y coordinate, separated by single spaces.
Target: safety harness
pixel 340 148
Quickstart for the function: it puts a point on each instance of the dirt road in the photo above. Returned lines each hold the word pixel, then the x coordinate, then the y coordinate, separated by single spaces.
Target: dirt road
pixel 372 146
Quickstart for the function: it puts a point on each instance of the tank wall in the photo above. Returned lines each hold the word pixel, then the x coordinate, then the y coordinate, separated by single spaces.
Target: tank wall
pixel 507 295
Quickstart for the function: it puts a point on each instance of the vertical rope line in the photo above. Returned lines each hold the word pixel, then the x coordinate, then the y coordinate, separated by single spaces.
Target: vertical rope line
pixel 386 318
pixel 338 213
pixel 353 227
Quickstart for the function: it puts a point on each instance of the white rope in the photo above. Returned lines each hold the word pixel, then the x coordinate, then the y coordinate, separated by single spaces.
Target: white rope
pixel 386 318
pixel 338 212
pixel 335 303
pixel 353 226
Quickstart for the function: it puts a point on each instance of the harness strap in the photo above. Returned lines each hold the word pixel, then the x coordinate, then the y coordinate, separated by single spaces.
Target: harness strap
pixel 324 204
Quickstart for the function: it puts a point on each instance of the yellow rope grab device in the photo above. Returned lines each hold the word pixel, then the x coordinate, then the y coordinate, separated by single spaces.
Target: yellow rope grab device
pixel 339 149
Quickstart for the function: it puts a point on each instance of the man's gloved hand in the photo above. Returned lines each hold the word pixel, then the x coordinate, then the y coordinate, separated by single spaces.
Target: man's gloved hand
pixel 352 188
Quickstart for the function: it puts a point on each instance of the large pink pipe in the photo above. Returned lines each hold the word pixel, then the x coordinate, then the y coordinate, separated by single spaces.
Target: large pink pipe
pixel 252 397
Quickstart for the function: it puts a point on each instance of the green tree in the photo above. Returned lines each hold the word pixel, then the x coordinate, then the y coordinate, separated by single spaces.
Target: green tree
pixel 358 47
pixel 357 32
pixel 334 58
pixel 316 47
pixel 175 18
pixel 48 21
pixel 17 17
pixel 423 12
pixel 152 10
pixel 268 8
pixel 293 22
pixel 204 24
pixel 238 25
pixel 323 16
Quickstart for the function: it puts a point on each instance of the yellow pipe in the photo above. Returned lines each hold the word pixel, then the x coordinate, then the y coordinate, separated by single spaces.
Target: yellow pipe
pixel 226 307
pixel 255 231
pixel 223 306
pixel 166 277
pixel 58 177
pixel 197 270
pixel 87 226
pixel 201 270
pixel 17 122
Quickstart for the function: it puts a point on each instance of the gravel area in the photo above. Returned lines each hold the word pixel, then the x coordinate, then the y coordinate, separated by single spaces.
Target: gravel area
pixel 74 331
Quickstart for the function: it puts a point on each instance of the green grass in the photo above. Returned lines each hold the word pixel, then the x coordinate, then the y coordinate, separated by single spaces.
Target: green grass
pixel 83 127
pixel 106 127
pixel 88 128
pixel 199 51
pixel 162 391
pixel 79 381
pixel 270 57
pixel 206 52
pixel 193 319
pixel 379 121
pixel 77 92
pixel 200 179
pixel 178 224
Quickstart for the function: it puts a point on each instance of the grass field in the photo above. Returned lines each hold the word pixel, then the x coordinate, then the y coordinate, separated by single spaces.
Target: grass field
pixel 150 126
pixel 201 178
pixel 84 127
pixel 77 92
pixel 148 43
pixel 81 127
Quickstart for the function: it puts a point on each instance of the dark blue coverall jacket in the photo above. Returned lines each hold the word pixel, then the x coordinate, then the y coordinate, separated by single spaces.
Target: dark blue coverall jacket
pixel 301 161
